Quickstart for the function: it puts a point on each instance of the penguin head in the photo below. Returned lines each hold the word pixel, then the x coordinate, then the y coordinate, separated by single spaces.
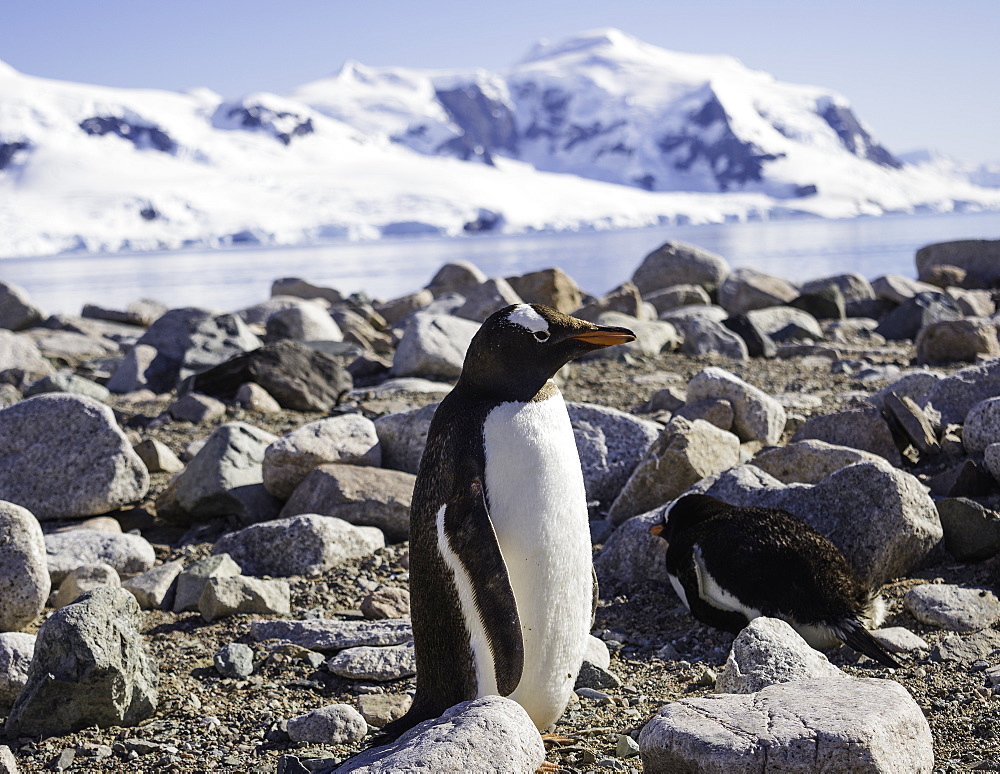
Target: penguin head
pixel 520 347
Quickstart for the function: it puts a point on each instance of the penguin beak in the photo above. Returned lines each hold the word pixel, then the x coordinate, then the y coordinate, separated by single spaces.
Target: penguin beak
pixel 656 529
pixel 605 337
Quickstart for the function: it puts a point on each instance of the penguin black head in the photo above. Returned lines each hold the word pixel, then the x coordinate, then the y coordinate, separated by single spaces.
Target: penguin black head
pixel 520 347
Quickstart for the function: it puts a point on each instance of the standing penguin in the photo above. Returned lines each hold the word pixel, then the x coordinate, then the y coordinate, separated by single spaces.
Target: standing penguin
pixel 730 565
pixel 502 589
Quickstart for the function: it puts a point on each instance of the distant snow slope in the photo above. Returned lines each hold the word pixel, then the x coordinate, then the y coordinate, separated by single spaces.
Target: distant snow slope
pixel 598 131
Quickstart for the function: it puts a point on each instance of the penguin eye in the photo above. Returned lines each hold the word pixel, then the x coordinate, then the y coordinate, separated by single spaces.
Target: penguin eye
pixel 542 336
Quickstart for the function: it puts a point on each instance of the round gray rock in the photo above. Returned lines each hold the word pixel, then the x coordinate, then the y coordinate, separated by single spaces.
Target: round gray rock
pixel 64 456
pixel 24 573
pixel 334 724
pixel 367 663
pixel 953 607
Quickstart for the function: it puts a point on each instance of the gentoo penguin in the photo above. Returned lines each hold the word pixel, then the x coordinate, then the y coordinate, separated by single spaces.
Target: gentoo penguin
pixel 730 565
pixel 501 579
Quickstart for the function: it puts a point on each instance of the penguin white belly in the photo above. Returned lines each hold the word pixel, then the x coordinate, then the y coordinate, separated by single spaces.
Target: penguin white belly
pixel 538 507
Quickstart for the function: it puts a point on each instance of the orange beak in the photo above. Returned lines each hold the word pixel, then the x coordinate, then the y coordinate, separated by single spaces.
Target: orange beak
pixel 605 337
pixel 656 529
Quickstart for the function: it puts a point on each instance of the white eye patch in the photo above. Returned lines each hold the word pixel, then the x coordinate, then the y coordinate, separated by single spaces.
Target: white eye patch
pixel 526 317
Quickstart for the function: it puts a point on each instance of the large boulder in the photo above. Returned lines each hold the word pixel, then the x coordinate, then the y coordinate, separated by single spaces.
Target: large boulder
pixel 64 456
pixel 746 289
pixel 180 343
pixel 24 573
pixel 17 310
pixel 757 416
pixel 550 287
pixel 950 399
pixel 906 320
pixel 979 258
pixel 804 726
pixel 490 734
pixel 295 375
pixel 809 461
pixel 366 497
pixel 225 478
pixel 487 298
pixel 858 428
pixel 305 321
pixel 403 436
pixel 90 669
pixel 858 294
pixel 706 336
pixel 347 439
pixel 433 346
pixel 65 551
pixel 299 545
pixel 677 263
pixel 957 341
pixel 20 358
pixel 458 277
pixel 881 518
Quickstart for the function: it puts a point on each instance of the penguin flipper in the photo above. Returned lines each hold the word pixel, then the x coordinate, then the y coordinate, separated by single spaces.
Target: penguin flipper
pixel 709 614
pixel 856 636
pixel 470 534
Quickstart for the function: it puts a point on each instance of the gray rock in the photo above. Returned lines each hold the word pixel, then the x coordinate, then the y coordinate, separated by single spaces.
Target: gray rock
pixel 66 381
pixel 651 336
pixel 191 581
pixel 390 662
pixel 16 650
pixel 678 295
pixel 327 635
pixel 809 461
pixel 196 408
pixel 551 287
pixel 433 346
pixel 971 531
pixel 677 263
pixel 596 677
pixel 913 421
pixel 906 320
pixel 957 341
pixel 395 310
pixel 89 668
pixel 685 453
pixel 386 602
pixel 152 589
pixel 977 257
pixel 24 575
pixel 253 397
pixel 226 477
pixel 897 639
pixel 348 439
pixel 968 648
pixel 157 456
pixel 333 724
pixel 305 321
pixel 715 411
pixel 234 660
pixel 610 444
pixel 953 607
pixel 82 579
pixel 881 518
pixel 757 416
pixel 785 322
pixel 457 277
pixel 297 376
pixel 899 289
pixel 403 437
pixel 224 597
pixel 912 384
pixel 78 462
pixel 705 336
pixel 300 288
pixel 368 497
pixel 973 303
pixel 17 310
pixel 632 555
pixel 857 428
pixel 624 299
pixel 858 293
pixel 183 342
pixel 378 709
pixel 848 725
pixel 982 426
pixel 769 651
pixel 953 397
pixel 485 299
pixel 746 289
pixel 8 763
pixel 21 356
pixel 597 652
pixel 127 554
pixel 492 735
pixel 307 545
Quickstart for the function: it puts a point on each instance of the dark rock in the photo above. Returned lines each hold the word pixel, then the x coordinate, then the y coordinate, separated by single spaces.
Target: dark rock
pixel 966 479
pixel 141 135
pixel 759 344
pixel 823 304
pixel 592 676
pixel 297 376
pixel 971 531
pixel 906 320
pixel 914 423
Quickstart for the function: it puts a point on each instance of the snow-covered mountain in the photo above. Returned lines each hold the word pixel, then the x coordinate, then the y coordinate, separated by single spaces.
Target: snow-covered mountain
pixel 598 131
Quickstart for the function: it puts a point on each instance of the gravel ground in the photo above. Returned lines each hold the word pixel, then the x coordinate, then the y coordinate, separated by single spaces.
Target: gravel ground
pixel 207 723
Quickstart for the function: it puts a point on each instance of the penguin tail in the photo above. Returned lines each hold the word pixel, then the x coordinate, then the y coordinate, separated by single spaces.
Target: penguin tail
pixel 856 636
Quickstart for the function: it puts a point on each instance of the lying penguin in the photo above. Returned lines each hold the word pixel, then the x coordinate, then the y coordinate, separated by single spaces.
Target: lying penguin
pixel 502 589
pixel 730 565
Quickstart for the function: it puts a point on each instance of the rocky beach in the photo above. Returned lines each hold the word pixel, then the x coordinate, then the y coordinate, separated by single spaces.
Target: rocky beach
pixel 204 516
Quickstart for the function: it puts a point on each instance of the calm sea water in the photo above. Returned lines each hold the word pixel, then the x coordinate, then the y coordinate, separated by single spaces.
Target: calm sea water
pixel 233 278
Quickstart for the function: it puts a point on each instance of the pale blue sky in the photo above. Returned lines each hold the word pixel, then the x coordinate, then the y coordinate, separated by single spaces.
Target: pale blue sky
pixel 921 74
